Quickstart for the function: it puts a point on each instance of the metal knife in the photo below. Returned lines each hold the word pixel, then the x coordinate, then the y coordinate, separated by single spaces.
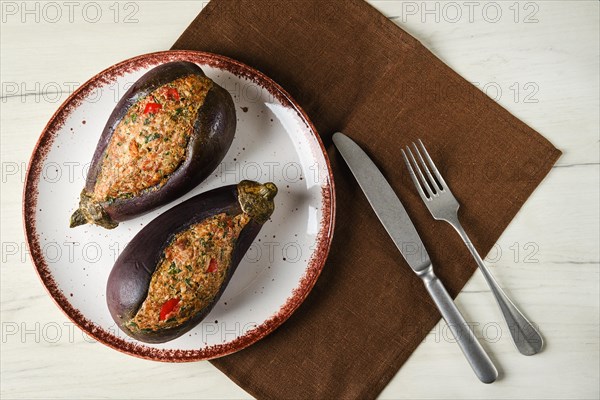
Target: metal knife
pixel 398 225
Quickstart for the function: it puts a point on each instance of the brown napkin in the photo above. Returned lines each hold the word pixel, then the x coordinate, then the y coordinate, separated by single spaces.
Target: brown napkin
pixel 353 70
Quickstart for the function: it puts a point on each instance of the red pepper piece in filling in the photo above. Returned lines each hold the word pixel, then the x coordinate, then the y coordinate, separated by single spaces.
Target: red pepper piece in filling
pixel 152 108
pixel 169 309
pixel 212 266
pixel 172 93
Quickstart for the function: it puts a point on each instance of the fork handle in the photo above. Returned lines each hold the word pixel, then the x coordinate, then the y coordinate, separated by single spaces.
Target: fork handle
pixel 475 354
pixel 526 338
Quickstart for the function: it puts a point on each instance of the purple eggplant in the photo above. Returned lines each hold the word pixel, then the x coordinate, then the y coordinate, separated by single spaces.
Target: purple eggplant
pixel 172 273
pixel 170 130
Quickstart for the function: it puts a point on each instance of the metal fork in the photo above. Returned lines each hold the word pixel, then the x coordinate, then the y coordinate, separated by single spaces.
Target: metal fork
pixel 443 206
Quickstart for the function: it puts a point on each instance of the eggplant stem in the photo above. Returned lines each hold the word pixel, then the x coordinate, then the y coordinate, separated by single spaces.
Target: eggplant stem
pixel 256 200
pixel 268 190
pixel 91 212
pixel 78 218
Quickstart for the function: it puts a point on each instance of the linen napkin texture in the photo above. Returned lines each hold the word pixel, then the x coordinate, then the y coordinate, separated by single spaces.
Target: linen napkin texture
pixel 353 70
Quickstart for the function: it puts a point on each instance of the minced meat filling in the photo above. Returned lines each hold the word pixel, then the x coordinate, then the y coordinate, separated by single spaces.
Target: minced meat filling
pixel 192 271
pixel 150 141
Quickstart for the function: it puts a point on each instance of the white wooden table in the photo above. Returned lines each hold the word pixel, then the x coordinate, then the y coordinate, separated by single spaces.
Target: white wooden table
pixel 538 59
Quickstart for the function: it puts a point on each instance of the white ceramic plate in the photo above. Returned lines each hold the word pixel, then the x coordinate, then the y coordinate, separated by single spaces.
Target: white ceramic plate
pixel 275 141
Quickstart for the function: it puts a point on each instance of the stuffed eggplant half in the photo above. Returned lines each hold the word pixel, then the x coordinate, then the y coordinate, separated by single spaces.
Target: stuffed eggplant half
pixel 172 273
pixel 170 130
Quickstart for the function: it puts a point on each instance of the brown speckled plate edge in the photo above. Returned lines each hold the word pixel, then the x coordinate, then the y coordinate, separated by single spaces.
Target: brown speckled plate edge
pixel 30 196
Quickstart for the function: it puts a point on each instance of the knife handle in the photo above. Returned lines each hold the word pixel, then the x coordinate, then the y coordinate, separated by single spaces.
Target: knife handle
pixel 475 354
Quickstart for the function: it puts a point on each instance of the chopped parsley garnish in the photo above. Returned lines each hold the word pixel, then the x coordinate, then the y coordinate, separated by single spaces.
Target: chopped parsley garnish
pixel 173 270
pixel 152 137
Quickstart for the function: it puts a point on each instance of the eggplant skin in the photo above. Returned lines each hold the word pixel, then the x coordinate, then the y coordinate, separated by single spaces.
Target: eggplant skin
pixel 129 280
pixel 214 129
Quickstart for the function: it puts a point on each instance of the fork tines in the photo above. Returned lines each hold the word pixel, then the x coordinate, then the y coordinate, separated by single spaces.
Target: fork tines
pixel 430 186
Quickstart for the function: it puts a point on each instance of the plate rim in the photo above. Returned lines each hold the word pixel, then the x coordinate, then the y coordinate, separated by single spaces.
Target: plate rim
pixel 138 349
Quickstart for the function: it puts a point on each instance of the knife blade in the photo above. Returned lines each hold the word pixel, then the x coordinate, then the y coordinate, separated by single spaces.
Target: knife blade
pixel 385 203
pixel 397 223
